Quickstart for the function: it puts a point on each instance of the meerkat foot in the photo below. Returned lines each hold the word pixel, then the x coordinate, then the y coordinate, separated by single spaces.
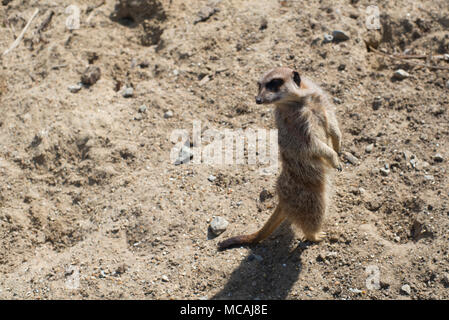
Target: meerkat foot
pixel 315 237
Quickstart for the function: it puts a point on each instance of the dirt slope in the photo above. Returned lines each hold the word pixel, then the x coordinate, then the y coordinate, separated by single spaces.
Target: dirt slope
pixel 91 206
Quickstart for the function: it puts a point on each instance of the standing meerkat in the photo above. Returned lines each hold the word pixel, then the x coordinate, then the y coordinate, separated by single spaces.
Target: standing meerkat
pixel 309 143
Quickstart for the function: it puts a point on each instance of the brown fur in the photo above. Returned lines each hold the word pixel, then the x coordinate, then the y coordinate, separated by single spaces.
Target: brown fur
pixel 309 142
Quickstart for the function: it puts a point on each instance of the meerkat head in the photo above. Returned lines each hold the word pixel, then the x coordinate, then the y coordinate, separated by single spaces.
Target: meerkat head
pixel 278 86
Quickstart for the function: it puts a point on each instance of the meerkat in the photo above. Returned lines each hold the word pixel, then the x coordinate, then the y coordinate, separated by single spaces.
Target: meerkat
pixel 309 141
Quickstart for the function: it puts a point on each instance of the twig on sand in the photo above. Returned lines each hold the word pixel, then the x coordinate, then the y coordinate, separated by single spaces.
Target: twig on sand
pixel 46 22
pixel 19 38
pixel 405 57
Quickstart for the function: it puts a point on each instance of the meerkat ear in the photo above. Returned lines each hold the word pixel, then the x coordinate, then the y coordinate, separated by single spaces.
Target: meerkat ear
pixel 296 78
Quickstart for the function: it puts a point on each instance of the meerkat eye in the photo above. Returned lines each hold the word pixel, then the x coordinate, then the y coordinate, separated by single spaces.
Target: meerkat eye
pixel 274 84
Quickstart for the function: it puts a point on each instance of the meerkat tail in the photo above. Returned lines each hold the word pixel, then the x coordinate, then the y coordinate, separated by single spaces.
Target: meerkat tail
pixel 273 222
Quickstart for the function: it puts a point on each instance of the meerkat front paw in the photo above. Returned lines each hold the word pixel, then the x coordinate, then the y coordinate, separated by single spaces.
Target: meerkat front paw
pixel 336 162
pixel 339 167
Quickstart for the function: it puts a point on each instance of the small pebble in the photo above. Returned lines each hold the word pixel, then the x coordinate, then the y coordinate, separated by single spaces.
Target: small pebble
pixel 211 178
pixel 377 103
pixel 384 171
pixel 218 225
pixel 447 84
pixel 339 35
pixel 400 74
pixel 168 114
pixel 350 157
pixel 91 75
pixel 185 154
pixel 438 157
pixel 405 289
pixel 128 92
pixel 328 38
pixel 355 290
pixel 142 108
pixel 337 100
pixel 369 148
pixel 164 278
pixel 429 177
pixel 75 88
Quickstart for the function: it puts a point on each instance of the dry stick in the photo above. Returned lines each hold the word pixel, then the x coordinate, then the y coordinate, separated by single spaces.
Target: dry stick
pixel 19 38
pixel 391 56
pixel 46 22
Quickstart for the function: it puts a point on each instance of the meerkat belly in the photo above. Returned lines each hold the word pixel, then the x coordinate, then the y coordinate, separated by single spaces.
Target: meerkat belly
pixel 301 185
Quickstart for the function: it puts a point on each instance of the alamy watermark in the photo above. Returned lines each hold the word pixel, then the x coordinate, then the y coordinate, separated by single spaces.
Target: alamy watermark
pixel 373 277
pixel 226 147
pixel 372 21
pixel 72 277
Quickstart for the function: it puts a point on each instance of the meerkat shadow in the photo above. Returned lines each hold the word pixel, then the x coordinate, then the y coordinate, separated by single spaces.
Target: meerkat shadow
pixel 269 271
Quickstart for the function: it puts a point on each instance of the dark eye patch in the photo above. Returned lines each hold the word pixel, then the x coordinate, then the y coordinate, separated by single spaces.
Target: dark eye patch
pixel 274 84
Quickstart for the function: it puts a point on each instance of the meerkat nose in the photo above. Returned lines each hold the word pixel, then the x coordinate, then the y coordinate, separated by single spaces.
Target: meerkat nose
pixel 258 100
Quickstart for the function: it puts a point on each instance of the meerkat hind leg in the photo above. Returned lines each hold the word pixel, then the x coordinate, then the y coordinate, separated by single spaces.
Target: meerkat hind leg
pixel 273 222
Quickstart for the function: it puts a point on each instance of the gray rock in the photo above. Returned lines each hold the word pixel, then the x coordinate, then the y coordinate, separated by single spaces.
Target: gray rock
pixel 128 92
pixel 405 289
pixel 407 155
pixel 400 74
pixel 438 158
pixel 91 75
pixel 328 38
pixel 75 88
pixel 337 100
pixel 218 225
pixel 422 165
pixel 143 108
pixel 165 278
pixel 369 148
pixel 211 178
pixel 185 154
pixel 205 13
pixel 377 103
pixel 384 171
pixel 339 35
pixel 429 177
pixel 350 157
pixel 355 290
pixel 168 114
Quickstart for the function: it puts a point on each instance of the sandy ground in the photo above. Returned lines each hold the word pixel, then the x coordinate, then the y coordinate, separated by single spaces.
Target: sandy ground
pixel 92 207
